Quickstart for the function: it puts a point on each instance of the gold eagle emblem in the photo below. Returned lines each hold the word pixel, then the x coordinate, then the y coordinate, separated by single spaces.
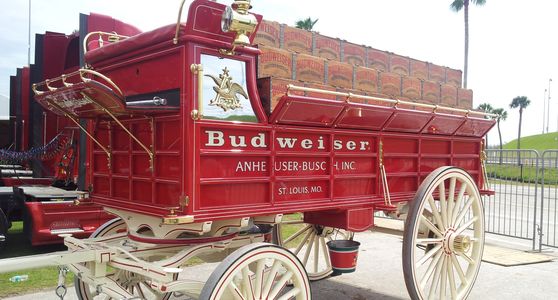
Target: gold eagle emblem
pixel 226 92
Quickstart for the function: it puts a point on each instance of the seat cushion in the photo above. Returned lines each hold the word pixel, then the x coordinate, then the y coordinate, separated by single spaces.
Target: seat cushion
pixel 142 40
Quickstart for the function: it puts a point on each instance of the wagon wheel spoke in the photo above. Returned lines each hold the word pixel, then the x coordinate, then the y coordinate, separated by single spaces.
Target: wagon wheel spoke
pixel 297 234
pixel 271 278
pixel 451 277
pixel 430 241
pixel 235 292
pixel 308 242
pixel 444 263
pixel 458 203
pixel 431 226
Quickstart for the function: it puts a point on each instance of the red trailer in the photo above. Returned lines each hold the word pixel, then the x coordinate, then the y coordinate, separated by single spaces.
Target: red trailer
pixel 182 151
pixel 38 176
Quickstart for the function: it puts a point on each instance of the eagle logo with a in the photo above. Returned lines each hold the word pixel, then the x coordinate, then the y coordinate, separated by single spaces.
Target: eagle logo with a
pixel 226 92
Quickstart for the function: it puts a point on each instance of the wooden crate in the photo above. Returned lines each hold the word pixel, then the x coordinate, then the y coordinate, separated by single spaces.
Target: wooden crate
pixel 431 92
pixel 366 79
pixel 454 77
pixel 411 88
pixel 310 68
pixel 269 34
pixel 340 74
pixel 449 95
pixel 419 69
pixel 436 73
pixel 390 84
pixel 353 54
pixel 297 40
pixel 377 59
pixel 465 98
pixel 399 64
pixel 318 94
pixel 275 62
pixel 326 47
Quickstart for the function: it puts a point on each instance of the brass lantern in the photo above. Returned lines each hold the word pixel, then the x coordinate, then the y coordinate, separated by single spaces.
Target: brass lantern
pixel 237 19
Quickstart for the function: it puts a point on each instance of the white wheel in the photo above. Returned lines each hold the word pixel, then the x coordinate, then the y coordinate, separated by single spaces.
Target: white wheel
pixel 308 243
pixel 128 280
pixel 444 236
pixel 3 229
pixel 258 271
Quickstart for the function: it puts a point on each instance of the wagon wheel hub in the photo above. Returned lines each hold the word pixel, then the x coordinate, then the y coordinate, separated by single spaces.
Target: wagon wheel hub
pixel 455 243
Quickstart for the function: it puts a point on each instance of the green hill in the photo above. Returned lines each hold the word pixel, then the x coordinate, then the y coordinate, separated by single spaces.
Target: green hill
pixel 538 142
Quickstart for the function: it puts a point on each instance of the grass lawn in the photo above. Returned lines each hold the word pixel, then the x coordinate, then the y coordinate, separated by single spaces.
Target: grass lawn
pixel 39 279
pixel 525 174
pixel 289 229
pixel 539 142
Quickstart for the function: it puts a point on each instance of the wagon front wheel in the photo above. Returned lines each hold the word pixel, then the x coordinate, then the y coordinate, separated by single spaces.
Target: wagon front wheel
pixel 258 271
pixel 444 236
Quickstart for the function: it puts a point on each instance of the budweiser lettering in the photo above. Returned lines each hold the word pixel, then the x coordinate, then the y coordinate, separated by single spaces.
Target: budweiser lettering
pixel 217 138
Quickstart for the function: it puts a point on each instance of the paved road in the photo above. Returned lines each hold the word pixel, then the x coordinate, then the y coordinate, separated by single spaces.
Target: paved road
pixel 379 276
pixel 512 211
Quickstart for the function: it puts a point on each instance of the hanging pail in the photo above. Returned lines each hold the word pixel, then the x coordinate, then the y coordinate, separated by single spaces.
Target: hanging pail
pixel 343 255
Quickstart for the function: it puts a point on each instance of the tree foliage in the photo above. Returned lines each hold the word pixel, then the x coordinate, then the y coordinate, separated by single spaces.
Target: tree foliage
pixel 520 102
pixel 458 5
pixel 307 24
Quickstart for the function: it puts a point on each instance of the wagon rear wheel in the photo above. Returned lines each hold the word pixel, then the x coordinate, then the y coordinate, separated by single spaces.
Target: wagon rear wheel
pixel 258 271
pixel 308 243
pixel 129 281
pixel 444 236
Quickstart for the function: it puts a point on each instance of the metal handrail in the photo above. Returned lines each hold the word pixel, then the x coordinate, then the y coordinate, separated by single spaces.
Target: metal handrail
pixel 348 96
pixel 175 39
pixel 111 37
pixel 197 69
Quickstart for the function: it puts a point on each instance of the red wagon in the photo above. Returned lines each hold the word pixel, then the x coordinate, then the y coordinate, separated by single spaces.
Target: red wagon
pixel 182 151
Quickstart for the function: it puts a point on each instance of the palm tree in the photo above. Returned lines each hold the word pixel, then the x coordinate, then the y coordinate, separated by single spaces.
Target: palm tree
pixel 487 108
pixel 502 115
pixel 456 6
pixel 306 24
pixel 522 102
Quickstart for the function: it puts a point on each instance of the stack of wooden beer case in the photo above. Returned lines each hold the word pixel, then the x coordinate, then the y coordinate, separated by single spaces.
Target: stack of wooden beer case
pixel 305 58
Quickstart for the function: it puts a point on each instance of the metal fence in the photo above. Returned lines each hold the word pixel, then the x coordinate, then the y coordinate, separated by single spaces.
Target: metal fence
pixel 525 204
pixel 549 196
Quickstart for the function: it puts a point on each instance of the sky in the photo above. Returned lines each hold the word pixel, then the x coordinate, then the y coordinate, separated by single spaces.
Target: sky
pixel 513 44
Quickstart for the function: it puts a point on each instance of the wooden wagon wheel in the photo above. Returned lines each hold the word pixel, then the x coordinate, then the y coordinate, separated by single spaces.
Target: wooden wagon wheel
pixel 308 243
pixel 258 271
pixel 444 236
pixel 130 281
pixel 3 229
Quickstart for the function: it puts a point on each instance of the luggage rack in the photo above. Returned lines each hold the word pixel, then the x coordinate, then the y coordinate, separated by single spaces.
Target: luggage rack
pixel 390 115
pixel 88 99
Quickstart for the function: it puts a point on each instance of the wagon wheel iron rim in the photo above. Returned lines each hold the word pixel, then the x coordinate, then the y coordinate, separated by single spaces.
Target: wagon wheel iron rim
pixel 444 236
pixel 129 281
pixel 258 271
pixel 309 244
